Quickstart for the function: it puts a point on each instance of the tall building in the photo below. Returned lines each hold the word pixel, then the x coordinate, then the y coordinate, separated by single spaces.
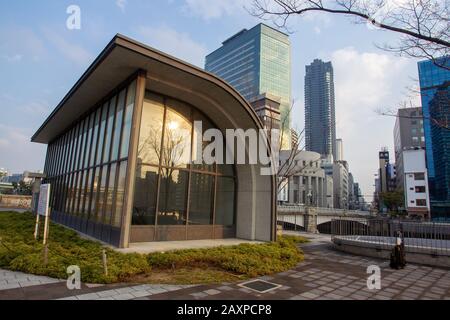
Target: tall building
pixel 408 134
pixel 255 62
pixel 440 135
pixel 417 202
pixel 320 119
pixel 339 150
pixel 340 184
pixel 431 76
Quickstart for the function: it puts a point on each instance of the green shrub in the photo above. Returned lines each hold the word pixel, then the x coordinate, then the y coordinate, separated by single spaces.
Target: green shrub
pixel 21 252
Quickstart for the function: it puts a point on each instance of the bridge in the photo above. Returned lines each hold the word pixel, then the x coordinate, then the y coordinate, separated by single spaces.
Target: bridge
pixel 316 219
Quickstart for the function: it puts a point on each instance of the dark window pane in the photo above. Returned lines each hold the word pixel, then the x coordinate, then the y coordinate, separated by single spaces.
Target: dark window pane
pixel 110 194
pixel 199 145
pixel 87 195
pixel 95 137
pixel 145 191
pixel 131 93
pixel 101 137
pixel 108 134
pixel 101 195
pixel 201 199
pixel 95 186
pixel 149 149
pixel 118 126
pixel 120 192
pixel 172 197
pixel 177 135
pixel 82 145
pixel 225 201
pixel 89 140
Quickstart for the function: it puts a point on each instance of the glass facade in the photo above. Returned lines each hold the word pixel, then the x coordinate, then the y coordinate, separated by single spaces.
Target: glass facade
pixel 255 62
pixel 86 167
pixel 170 190
pixel 431 77
pixel 320 116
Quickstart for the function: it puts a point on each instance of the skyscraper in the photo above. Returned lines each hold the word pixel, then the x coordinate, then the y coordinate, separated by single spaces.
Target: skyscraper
pixel 320 119
pixel 431 76
pixel 255 62
pixel 440 135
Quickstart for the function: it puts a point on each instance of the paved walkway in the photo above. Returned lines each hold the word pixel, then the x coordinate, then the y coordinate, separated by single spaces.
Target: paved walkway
pixel 325 274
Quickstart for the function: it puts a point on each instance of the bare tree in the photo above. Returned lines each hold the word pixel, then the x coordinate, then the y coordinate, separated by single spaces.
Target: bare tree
pixel 289 166
pixel 423 24
pixel 442 122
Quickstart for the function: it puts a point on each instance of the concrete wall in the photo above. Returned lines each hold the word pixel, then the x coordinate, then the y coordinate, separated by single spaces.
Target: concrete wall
pixel 15 201
pixel 373 250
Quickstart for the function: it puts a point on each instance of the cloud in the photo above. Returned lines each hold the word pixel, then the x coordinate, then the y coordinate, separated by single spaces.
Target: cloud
pixel 213 9
pixel 121 4
pixel 18 153
pixel 17 43
pixel 178 44
pixel 70 50
pixel 14 58
pixel 36 108
pixel 365 82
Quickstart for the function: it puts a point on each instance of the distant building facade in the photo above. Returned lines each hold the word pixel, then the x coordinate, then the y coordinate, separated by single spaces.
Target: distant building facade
pixel 440 135
pixel 408 134
pixel 340 184
pixel 307 184
pixel 339 150
pixel 320 118
pixel 255 62
pixel 431 77
pixel 417 202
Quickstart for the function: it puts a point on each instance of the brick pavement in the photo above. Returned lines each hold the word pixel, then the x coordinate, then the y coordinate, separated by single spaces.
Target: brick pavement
pixel 325 274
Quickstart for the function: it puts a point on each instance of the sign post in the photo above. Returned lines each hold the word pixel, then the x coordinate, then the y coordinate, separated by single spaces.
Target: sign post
pixel 43 210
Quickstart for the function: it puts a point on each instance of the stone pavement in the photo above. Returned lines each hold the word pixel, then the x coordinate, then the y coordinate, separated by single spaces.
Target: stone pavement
pixel 325 274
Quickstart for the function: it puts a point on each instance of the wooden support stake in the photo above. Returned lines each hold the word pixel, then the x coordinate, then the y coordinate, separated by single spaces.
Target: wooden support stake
pixel 46 226
pixel 36 228
pixel 105 262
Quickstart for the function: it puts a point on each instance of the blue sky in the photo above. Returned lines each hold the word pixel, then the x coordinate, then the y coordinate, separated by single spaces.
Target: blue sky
pixel 40 60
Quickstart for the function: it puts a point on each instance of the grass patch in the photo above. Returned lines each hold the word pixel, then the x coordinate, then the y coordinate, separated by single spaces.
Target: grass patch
pixel 20 252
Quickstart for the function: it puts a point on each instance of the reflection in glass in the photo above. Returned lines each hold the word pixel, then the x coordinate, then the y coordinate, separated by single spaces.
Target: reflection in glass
pixel 95 185
pixel 145 190
pixel 87 195
pixel 95 137
pixel 225 201
pixel 118 126
pixel 201 199
pixel 206 124
pixel 110 194
pixel 117 216
pixel 172 197
pixel 101 137
pixel 101 195
pixel 177 135
pixel 149 150
pixel 109 128
pixel 128 115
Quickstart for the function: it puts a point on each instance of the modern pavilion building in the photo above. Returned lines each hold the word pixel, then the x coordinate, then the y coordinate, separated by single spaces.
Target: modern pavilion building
pixel 121 153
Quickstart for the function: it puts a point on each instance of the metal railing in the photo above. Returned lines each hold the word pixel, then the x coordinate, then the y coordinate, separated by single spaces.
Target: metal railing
pixel 430 237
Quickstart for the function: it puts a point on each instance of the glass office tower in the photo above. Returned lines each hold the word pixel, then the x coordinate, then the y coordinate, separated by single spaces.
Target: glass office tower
pixel 431 76
pixel 320 117
pixel 255 62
